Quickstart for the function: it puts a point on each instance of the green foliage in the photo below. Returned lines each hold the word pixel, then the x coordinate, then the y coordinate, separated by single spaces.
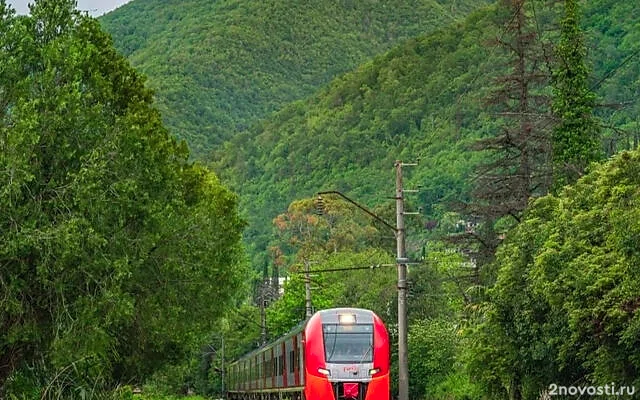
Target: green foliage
pixel 112 242
pixel 159 396
pixel 403 105
pixel 612 42
pixel 371 288
pixel 220 66
pixel 576 137
pixel 564 309
pixel 433 346
pixel 435 361
pixel 424 98
pixel 457 385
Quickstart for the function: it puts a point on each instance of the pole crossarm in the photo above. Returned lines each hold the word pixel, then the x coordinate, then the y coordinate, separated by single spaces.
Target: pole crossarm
pixel 361 207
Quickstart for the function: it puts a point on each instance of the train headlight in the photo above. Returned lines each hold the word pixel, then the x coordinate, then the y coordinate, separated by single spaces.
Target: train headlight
pixel 374 371
pixel 346 319
pixel 325 372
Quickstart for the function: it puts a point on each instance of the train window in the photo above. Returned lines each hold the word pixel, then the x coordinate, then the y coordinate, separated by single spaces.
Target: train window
pixel 281 366
pixel 348 343
pixel 273 363
pixel 291 361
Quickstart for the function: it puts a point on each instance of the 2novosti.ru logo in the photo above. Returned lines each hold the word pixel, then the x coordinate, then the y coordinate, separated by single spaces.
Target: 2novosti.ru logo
pixel 605 390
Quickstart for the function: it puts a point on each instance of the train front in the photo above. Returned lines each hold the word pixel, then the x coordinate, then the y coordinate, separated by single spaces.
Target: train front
pixel 346 356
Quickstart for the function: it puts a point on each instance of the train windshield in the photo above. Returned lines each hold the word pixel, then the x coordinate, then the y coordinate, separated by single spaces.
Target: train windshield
pixel 348 343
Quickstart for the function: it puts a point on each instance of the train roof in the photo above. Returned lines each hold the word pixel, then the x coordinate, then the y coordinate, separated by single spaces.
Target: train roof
pixel 333 315
pixel 295 330
pixel 330 315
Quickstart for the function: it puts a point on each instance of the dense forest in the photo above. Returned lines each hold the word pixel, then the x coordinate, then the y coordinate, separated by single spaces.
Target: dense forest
pixel 127 265
pixel 424 100
pixel 217 67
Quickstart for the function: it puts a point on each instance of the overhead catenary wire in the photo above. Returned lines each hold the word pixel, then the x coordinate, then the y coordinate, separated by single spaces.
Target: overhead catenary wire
pixel 352 268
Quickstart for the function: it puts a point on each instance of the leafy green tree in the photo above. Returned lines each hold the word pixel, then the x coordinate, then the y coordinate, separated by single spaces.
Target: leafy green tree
pixel 432 345
pixel 564 307
pixel 112 243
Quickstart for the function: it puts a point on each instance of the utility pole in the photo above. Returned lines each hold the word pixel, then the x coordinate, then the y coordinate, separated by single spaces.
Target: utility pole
pixel 307 290
pixel 403 356
pixel 263 315
pixel 401 262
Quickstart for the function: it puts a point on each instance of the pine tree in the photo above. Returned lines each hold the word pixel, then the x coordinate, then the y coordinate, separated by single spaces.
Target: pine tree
pixel 519 166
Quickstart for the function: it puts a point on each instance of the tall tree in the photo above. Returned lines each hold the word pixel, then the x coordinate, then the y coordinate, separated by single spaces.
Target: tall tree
pixel 518 166
pixel 576 136
pixel 111 243
pixel 519 169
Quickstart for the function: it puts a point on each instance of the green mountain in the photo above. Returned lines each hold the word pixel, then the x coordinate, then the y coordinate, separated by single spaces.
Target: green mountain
pixel 218 66
pixel 423 99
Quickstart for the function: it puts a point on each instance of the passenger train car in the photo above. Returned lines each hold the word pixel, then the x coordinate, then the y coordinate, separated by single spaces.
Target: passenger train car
pixel 340 353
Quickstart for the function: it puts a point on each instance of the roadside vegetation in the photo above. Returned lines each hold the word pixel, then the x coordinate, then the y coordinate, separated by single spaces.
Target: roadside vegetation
pixel 113 244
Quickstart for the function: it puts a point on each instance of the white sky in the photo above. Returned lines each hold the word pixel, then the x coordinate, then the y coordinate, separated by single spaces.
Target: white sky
pixel 94 7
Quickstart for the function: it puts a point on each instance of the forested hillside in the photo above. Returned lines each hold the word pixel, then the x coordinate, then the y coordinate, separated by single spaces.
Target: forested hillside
pixel 425 99
pixel 218 66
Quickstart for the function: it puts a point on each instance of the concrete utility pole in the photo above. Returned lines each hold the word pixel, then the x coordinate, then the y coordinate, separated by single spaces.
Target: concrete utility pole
pixel 263 315
pixel 403 356
pixel 401 262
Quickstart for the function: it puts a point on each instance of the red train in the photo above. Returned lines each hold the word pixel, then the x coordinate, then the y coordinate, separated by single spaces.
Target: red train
pixel 340 353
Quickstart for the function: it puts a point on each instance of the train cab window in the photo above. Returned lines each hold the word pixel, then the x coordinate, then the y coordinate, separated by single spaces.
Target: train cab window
pixel 348 343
